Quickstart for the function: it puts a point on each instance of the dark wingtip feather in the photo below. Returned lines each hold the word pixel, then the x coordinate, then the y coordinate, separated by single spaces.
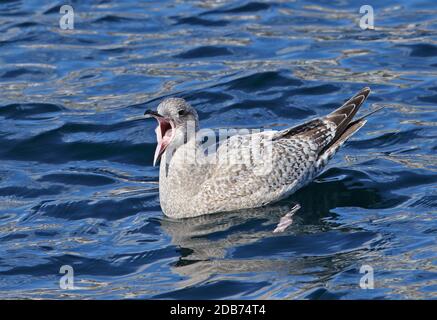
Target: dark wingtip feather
pixel 320 131
pixel 344 115
pixel 342 118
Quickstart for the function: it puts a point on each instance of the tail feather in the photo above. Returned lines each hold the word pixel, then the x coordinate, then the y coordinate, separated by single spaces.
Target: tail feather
pixel 329 152
pixel 353 127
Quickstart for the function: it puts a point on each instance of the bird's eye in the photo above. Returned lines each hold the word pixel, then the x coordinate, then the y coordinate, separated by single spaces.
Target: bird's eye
pixel 181 112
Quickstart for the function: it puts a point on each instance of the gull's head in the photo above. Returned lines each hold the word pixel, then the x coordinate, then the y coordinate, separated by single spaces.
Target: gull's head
pixel 174 115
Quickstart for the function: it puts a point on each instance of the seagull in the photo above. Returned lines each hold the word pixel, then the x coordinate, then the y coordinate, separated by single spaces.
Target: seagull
pixel 191 185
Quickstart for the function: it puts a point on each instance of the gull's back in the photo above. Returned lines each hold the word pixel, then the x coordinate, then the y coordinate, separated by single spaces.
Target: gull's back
pixel 297 155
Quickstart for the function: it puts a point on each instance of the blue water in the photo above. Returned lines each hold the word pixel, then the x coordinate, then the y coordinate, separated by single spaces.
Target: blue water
pixel 77 186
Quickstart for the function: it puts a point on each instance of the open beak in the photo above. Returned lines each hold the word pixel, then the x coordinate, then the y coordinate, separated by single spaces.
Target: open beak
pixel 164 133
